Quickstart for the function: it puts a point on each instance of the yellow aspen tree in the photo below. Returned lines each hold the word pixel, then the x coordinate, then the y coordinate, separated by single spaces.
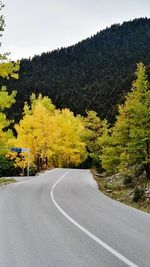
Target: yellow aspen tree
pixel 69 147
pixel 32 130
pixel 49 133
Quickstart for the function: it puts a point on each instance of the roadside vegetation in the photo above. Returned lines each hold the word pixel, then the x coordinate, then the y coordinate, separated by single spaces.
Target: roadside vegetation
pixel 5 181
pixel 134 192
pixel 125 148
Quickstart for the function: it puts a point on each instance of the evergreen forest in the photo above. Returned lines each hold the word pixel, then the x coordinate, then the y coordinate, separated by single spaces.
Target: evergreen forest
pixel 95 74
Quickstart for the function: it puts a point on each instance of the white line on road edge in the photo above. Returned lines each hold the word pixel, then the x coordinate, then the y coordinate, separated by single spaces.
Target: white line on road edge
pixel 95 238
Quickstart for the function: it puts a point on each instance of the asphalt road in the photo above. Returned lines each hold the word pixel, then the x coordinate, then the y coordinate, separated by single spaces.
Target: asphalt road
pixel 61 219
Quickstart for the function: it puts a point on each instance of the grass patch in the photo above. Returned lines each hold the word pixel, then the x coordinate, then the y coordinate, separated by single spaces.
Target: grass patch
pixel 130 192
pixel 4 181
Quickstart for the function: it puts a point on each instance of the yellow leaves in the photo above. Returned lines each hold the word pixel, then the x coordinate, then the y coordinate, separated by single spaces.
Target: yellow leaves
pixel 67 133
pixel 51 133
pixel 9 69
pixel 43 101
pixel 6 100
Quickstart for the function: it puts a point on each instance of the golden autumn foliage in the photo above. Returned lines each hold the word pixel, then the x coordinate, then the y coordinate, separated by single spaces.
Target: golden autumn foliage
pixel 53 136
pixel 7 69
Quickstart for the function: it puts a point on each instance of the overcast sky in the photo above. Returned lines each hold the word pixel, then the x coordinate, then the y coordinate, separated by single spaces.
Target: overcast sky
pixel 36 26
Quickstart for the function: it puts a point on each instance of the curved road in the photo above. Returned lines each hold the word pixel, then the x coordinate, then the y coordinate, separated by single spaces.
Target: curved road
pixel 60 219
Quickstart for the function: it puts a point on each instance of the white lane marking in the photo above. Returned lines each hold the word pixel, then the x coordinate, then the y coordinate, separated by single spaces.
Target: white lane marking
pixel 95 238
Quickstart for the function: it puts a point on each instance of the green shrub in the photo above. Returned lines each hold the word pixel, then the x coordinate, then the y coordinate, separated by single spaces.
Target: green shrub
pixel 137 194
pixel 7 167
pixel 127 180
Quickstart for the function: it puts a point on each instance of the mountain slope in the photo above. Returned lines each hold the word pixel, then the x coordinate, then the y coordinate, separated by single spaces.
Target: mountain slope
pixel 93 74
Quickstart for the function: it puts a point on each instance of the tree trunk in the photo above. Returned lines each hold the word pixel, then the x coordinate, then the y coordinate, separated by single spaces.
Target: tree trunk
pixel 147 170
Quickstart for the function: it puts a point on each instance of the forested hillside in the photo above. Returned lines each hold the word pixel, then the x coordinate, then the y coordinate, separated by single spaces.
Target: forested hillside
pixel 94 74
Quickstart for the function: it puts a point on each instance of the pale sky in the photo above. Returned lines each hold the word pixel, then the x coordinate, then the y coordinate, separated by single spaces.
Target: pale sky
pixel 36 26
